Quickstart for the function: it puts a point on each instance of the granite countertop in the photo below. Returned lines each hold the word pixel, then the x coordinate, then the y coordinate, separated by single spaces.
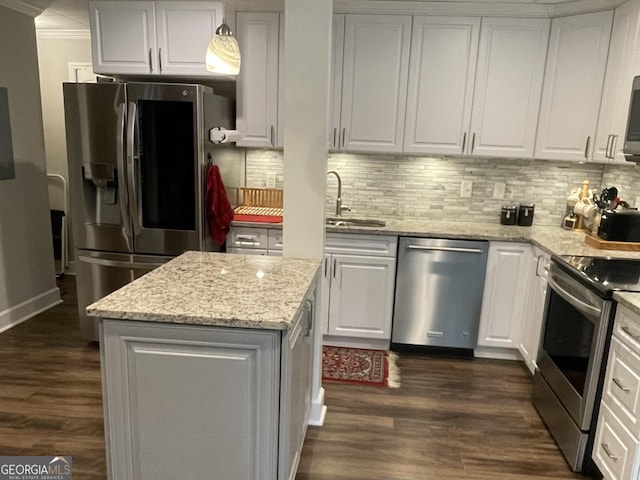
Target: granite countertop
pixel 215 289
pixel 630 300
pixel 554 240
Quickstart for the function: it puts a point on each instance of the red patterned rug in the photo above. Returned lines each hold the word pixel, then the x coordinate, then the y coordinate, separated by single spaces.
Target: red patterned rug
pixel 359 366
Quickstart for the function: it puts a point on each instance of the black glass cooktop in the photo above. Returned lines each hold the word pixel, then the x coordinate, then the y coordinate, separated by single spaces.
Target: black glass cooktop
pixel 605 274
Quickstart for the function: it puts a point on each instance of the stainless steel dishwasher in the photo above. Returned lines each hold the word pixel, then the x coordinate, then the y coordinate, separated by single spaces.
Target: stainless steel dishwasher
pixel 439 288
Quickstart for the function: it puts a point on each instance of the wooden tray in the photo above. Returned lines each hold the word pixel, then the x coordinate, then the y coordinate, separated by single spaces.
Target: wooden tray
pixel 597 242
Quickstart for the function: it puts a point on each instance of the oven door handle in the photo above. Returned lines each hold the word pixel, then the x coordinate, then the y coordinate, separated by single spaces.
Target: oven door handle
pixel 588 310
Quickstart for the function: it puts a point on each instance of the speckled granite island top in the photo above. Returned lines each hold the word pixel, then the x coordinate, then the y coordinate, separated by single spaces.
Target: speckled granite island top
pixel 215 289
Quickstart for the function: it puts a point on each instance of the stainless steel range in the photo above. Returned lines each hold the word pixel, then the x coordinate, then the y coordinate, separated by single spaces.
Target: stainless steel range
pixel 579 315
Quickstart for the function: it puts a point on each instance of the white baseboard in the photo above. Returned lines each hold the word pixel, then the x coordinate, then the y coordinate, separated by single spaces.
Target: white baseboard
pixel 497 353
pixel 29 308
pixel 318 410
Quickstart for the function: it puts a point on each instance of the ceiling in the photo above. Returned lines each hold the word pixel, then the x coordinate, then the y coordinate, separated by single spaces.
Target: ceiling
pixel 65 15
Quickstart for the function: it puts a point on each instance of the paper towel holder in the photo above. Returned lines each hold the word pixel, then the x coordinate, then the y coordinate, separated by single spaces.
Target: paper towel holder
pixel 222 135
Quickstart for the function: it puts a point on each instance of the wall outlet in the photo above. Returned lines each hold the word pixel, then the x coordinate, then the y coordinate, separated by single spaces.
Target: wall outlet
pixel 637 204
pixel 466 188
pixel 498 190
pixel 270 181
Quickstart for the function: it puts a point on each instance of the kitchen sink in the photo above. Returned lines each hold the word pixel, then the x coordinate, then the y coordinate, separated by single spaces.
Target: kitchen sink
pixel 354 222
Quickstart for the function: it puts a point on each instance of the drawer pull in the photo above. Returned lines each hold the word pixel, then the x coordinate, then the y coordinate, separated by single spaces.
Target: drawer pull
pixel 629 332
pixel 605 447
pixel 620 385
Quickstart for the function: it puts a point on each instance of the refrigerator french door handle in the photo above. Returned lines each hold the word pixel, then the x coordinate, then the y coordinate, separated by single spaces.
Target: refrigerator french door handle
pixel 118 264
pixel 122 181
pixel 131 174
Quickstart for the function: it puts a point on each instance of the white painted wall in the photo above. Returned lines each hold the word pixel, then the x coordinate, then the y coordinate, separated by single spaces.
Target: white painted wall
pixel 307 54
pixel 54 55
pixel 27 278
pixel 307 45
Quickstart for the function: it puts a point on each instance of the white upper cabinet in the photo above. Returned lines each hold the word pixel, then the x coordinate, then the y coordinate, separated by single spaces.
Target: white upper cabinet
pixel 374 82
pixel 152 38
pixel 257 85
pixel 441 77
pixel 335 89
pixel 184 30
pixel 123 37
pixel 508 86
pixel 573 83
pixel 622 66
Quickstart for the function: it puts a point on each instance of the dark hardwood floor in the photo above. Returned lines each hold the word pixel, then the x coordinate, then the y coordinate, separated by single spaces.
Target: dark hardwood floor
pixel 459 419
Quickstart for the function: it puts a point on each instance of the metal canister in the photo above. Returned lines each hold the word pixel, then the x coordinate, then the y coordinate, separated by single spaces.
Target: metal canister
pixel 525 214
pixel 509 215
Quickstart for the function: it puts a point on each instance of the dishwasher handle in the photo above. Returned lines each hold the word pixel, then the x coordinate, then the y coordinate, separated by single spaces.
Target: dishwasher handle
pixel 445 249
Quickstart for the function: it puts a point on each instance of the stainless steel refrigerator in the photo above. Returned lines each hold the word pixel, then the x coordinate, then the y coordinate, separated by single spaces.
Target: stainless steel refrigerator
pixel 137 155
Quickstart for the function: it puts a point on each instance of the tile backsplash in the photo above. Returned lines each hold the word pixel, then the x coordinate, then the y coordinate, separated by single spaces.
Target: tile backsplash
pixel 429 187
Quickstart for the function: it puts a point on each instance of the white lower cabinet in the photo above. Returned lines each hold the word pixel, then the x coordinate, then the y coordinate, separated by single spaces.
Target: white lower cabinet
pixel 255 241
pixel 503 301
pixel 357 289
pixel 184 401
pixel 536 292
pixel 616 449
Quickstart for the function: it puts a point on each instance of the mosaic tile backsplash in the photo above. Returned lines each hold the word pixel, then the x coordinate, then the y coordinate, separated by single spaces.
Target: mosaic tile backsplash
pixel 429 187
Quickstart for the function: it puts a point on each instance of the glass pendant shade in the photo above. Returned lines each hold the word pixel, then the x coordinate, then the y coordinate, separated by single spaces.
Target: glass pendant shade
pixel 223 53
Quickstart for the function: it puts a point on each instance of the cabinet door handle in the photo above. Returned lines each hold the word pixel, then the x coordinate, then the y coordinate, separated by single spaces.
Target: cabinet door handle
pixel 473 142
pixel 273 135
pixel 160 59
pixel 538 265
pixel 620 385
pixel 150 62
pixel 308 310
pixel 335 131
pixel 344 137
pixel 464 141
pixel 629 332
pixel 445 249
pixel 607 150
pixel 246 240
pixel 334 268
pixel 586 148
pixel 605 447
pixel 614 146
pixel 326 265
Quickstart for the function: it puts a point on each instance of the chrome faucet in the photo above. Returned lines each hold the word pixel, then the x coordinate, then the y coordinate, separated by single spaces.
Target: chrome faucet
pixel 339 207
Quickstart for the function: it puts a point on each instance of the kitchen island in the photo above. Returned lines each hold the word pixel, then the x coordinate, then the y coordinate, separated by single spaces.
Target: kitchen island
pixel 207 368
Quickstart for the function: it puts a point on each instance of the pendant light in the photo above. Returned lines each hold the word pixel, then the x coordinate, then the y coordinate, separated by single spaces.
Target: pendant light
pixel 223 53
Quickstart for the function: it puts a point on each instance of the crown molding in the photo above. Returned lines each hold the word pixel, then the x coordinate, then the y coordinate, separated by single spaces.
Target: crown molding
pixel 466 8
pixel 22 7
pixel 582 6
pixel 489 8
pixel 59 34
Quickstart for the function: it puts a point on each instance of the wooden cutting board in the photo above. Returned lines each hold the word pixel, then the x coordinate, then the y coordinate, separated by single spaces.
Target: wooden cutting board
pixel 597 242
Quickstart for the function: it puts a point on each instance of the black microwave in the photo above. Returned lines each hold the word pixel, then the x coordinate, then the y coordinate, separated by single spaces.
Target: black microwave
pixel 632 135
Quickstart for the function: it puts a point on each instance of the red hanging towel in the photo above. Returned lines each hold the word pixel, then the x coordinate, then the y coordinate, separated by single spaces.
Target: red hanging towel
pixel 219 211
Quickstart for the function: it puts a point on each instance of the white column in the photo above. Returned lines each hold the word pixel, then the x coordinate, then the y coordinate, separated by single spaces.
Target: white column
pixel 307 46
pixel 307 54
